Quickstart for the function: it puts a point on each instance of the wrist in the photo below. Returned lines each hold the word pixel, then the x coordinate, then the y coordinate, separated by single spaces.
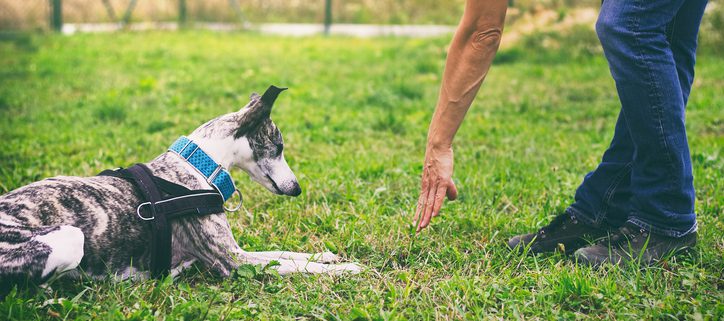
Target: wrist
pixel 439 136
pixel 439 145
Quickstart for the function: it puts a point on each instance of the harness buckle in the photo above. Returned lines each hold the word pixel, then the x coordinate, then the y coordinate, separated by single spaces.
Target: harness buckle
pixel 153 210
pixel 238 206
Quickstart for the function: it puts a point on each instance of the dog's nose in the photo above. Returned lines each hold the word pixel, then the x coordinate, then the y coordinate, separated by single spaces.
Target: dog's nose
pixel 295 191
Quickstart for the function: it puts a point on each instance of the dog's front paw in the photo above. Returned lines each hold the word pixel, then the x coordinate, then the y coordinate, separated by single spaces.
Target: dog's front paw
pixel 352 268
pixel 326 257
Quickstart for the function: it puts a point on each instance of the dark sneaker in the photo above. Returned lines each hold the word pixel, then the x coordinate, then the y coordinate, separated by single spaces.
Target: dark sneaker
pixel 632 243
pixel 565 233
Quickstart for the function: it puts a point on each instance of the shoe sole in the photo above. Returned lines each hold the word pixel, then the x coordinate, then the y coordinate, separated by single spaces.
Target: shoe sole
pixel 581 259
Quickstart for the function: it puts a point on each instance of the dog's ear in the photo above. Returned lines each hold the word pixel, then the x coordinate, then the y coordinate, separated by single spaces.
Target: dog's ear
pixel 258 110
pixel 262 105
pixel 270 95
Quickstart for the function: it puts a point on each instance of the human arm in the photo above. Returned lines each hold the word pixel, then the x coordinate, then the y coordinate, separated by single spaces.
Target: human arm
pixel 469 57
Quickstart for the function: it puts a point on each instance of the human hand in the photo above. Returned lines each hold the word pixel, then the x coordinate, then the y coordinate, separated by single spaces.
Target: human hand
pixel 436 184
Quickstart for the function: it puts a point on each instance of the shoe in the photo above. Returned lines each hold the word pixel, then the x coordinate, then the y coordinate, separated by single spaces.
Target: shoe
pixel 564 233
pixel 632 243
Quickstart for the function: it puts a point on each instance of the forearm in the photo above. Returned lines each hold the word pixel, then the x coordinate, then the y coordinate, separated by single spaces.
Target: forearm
pixel 469 57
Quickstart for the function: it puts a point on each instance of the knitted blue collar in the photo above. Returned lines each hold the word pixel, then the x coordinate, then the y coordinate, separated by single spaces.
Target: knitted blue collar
pixel 215 174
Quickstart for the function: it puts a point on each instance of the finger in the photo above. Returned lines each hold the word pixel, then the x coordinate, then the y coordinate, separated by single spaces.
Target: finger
pixel 420 206
pixel 424 189
pixel 439 200
pixel 429 202
pixel 452 191
pixel 423 209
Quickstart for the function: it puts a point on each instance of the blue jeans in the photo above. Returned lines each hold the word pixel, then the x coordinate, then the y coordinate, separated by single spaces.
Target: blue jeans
pixel 645 176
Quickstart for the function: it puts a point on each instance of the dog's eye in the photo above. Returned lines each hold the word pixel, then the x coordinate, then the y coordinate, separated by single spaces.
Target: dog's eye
pixel 280 147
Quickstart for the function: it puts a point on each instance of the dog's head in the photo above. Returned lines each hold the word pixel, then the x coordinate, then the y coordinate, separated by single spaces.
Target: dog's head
pixel 250 140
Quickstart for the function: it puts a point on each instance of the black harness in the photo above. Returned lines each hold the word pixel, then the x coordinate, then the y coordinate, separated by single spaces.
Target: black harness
pixel 164 201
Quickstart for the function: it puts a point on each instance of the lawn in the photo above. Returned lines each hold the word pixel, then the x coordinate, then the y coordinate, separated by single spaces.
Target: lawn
pixel 354 122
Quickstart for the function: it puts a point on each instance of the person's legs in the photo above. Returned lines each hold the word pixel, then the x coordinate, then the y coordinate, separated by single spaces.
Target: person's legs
pixel 633 35
pixel 651 46
pixel 604 196
pixel 643 65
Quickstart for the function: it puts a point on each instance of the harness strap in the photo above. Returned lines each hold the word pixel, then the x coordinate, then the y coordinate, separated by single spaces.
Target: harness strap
pixel 167 187
pixel 175 207
pixel 159 211
pixel 161 236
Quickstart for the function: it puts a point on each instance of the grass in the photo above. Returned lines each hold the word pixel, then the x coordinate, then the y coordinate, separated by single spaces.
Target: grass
pixel 354 123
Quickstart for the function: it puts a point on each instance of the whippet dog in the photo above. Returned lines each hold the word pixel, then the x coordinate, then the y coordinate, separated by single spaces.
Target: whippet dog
pixel 90 225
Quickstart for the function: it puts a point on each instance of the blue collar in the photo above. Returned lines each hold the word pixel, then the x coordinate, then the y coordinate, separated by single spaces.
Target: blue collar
pixel 215 174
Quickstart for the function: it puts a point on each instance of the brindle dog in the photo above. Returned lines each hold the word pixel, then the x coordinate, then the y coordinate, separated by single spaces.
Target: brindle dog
pixel 88 225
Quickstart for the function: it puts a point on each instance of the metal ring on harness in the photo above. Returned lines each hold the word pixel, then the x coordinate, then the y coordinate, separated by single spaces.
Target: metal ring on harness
pixel 138 212
pixel 241 201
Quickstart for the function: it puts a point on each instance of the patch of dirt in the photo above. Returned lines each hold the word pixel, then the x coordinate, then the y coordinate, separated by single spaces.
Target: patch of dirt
pixel 548 20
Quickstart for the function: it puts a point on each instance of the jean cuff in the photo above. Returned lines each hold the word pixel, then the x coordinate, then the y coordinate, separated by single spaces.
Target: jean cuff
pixel 586 218
pixel 662 231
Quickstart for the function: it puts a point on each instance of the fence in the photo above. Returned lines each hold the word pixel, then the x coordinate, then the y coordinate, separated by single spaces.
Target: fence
pixel 48 14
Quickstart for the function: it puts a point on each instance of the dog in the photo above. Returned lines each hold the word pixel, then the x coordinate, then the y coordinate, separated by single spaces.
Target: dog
pixel 90 225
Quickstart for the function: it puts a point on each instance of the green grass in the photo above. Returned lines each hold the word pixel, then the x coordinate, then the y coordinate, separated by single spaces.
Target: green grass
pixel 354 123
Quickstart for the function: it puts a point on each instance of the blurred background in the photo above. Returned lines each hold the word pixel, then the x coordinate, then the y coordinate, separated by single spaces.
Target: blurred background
pixel 82 89
pixel 36 13
pixel 553 17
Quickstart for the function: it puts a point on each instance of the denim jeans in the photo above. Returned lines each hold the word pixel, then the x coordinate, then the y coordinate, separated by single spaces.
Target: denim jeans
pixel 645 176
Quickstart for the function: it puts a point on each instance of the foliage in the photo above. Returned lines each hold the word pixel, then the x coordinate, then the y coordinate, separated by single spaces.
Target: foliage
pixel 354 122
pixel 576 43
pixel 711 34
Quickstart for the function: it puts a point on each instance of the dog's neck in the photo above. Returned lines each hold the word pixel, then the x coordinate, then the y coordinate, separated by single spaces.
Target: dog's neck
pixel 174 168
pixel 222 151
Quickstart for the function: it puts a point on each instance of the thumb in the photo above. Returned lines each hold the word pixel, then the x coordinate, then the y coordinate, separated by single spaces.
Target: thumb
pixel 452 191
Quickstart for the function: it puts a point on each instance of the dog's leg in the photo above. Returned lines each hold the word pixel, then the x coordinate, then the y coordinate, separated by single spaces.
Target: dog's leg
pixel 66 244
pixel 322 257
pixel 287 266
pixel 35 254
pixel 210 240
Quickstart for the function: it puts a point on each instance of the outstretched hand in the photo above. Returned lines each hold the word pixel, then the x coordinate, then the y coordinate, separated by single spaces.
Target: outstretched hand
pixel 436 184
pixel 468 59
